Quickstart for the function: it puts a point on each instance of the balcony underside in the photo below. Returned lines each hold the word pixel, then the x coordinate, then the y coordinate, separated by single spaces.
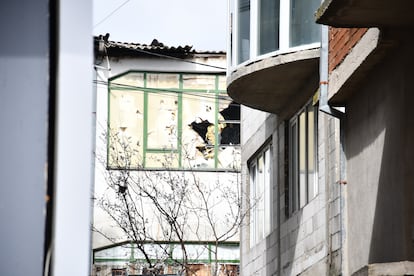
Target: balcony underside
pixel 366 13
pixel 279 84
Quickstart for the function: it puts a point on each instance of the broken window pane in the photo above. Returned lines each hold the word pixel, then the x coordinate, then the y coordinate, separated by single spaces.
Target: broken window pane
pixel 198 130
pixel 125 128
pixel 230 133
pixel 162 121
pixel 192 124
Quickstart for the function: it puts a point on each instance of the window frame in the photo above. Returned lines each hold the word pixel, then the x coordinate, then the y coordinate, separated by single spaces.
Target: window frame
pixel 284 33
pixel 260 206
pixel 297 198
pixel 217 93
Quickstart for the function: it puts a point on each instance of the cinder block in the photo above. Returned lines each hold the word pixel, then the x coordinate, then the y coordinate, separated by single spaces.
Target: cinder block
pixel 309 226
pixel 293 223
pixel 284 230
pixel 319 219
pixel 335 224
pixel 299 250
pixel 334 208
pixel 336 241
pixel 293 238
pixel 284 244
pixel 320 235
pixel 308 211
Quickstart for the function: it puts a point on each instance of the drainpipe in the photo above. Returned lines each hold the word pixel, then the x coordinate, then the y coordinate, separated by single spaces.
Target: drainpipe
pixel 323 73
pixel 326 108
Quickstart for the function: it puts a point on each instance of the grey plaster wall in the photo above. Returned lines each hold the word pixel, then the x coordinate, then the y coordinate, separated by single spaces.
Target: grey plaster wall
pixel 24 92
pixel 380 163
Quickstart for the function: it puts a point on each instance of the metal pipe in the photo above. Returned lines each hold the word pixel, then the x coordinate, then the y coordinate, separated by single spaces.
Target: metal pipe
pixel 323 73
pixel 326 108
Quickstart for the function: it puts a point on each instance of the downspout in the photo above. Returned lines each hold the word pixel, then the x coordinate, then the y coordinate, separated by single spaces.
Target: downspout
pixel 326 108
pixel 323 74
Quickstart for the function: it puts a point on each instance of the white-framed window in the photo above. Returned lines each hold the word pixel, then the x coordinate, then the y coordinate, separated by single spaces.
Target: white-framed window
pixel 260 195
pixel 303 185
pixel 262 27
pixel 243 34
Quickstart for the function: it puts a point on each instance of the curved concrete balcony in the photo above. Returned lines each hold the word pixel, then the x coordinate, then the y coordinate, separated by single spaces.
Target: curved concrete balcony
pixel 279 84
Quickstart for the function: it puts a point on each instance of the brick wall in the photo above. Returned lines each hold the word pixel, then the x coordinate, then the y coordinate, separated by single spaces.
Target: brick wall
pixel 341 41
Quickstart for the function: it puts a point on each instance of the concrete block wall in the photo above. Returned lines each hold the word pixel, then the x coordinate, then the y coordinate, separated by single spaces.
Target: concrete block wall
pixel 303 238
pixel 257 129
pixel 309 241
pixel 335 197
pixel 310 236
pixel 251 120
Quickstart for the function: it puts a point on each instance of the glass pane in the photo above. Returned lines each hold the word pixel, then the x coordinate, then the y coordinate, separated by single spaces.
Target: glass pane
pixel 302 160
pixel 222 85
pixel 244 31
pixel 311 153
pixel 161 160
pixel 294 166
pixel 229 122
pixel 162 121
pixel 303 29
pixel 269 26
pixel 163 81
pixel 130 80
pixel 252 204
pixel 229 133
pixel 193 251
pixel 229 157
pixel 260 198
pixel 125 128
pixel 267 192
pixel 198 136
pixel 204 82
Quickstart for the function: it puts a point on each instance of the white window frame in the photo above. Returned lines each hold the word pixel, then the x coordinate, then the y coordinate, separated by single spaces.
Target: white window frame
pixel 260 197
pixel 284 34
pixel 301 193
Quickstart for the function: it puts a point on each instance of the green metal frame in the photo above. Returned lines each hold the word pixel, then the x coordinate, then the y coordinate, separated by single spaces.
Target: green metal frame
pixel 180 91
pixel 170 260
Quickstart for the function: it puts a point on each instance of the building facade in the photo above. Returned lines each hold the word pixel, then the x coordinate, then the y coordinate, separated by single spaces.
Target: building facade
pixel 323 131
pixel 165 123
pixel 369 64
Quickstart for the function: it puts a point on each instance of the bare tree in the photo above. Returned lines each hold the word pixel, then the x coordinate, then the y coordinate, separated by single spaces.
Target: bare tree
pixel 157 209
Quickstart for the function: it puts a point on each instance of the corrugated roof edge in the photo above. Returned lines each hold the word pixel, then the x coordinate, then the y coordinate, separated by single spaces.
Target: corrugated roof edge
pixel 116 48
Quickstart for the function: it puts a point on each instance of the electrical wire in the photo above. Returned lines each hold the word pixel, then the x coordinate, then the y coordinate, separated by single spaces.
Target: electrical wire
pixel 148 52
pixel 168 57
pixel 111 13
pixel 177 58
pixel 166 92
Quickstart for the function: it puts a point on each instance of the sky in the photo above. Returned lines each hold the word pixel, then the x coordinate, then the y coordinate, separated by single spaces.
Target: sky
pixel 202 24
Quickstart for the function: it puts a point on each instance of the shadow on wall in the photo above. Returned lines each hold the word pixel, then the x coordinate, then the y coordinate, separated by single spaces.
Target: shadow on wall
pixel 289 245
pixel 380 165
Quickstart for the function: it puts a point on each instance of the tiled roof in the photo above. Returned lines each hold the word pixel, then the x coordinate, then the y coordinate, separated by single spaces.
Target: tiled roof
pixel 154 46
pixel 115 48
